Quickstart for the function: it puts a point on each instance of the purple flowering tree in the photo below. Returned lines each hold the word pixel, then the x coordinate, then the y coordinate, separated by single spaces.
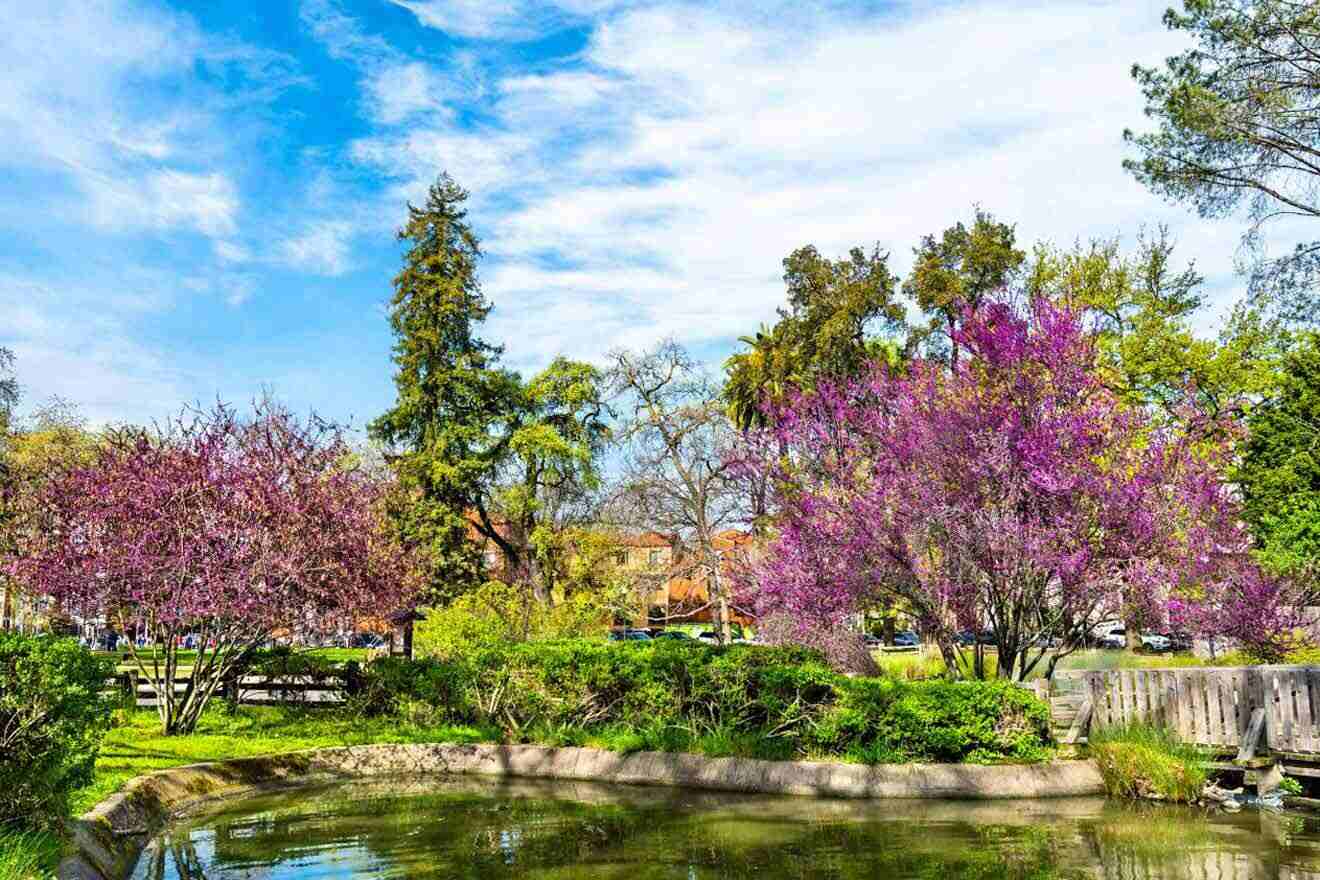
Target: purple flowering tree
pixel 1012 492
pixel 225 528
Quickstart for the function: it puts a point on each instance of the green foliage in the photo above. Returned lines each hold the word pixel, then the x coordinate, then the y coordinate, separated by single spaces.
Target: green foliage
pixel 449 420
pixel 1290 785
pixel 1238 126
pixel 832 305
pixel 1147 762
pixel 1280 467
pixel 1142 310
pixel 28 855
pixel 477 449
pixel 497 613
pixel 741 699
pixel 958 270
pixel 52 718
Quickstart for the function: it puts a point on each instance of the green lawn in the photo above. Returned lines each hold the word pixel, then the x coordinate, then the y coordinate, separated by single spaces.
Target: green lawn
pixel 137 746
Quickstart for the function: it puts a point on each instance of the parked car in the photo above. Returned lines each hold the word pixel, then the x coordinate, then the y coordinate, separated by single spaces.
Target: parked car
pixel 1115 637
pixel 676 635
pixel 709 636
pixel 967 638
pixel 629 635
pixel 873 641
pixel 1156 642
pixel 907 639
pixel 1178 641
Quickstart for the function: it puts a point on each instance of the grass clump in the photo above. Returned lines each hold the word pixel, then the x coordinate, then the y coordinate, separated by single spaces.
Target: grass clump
pixel 1146 762
pixel 28 855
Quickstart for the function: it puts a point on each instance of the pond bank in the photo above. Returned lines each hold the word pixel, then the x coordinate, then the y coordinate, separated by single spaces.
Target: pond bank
pixel 109 837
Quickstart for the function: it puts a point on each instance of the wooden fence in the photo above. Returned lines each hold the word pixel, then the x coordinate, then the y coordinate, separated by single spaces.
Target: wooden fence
pixel 1241 709
pixel 251 690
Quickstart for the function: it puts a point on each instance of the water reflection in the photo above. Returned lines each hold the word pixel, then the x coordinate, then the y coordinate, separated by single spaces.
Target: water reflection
pixel 471 828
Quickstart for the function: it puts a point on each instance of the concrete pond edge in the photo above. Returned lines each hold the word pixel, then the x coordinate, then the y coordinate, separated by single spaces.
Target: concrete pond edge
pixel 109 838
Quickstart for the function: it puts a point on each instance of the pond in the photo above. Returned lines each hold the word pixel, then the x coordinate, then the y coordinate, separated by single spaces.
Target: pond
pixel 473 828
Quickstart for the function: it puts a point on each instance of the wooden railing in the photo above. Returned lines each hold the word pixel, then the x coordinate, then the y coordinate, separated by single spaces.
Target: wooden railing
pixel 1241 709
pixel 250 690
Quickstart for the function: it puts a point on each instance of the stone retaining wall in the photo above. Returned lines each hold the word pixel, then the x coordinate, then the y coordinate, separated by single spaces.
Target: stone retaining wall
pixel 109 838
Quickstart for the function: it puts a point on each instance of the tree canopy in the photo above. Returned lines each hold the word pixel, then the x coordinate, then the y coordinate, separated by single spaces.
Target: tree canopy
pixel 840 314
pixel 1012 490
pixel 477 449
pixel 1279 471
pixel 1238 127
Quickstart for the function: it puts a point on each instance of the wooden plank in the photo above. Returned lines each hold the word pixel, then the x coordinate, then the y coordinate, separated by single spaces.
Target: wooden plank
pixel 1187 690
pixel 1305 739
pixel 1232 733
pixel 1273 717
pixel 1251 739
pixel 1081 725
pixel 1129 697
pixel 1099 700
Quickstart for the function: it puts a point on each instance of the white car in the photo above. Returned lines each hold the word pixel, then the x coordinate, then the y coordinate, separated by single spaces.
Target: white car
pixel 1155 642
pixel 1113 637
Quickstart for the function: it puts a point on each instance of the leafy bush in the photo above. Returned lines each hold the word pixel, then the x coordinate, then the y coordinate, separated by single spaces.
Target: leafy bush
pixel 52 718
pixel 739 699
pixel 1149 763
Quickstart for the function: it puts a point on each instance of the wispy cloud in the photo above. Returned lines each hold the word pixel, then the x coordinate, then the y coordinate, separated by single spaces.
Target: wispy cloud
pixel 322 248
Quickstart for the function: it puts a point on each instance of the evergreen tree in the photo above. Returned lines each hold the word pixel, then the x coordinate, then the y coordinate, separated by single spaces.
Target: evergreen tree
pixel 449 425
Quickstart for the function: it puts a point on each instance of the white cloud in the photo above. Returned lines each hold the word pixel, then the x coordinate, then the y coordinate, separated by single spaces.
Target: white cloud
pixel 398 91
pixel 653 186
pixel 323 248
pixel 94 361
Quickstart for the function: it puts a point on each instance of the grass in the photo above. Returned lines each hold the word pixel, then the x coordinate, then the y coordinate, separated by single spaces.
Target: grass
pixel 28 855
pixel 137 746
pixel 1147 762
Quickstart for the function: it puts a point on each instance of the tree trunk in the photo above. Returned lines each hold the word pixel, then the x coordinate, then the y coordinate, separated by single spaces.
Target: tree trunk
pixel 721 605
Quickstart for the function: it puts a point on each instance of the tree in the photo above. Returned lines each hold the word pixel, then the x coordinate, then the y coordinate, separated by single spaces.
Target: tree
pixel 53 440
pixel 546 483
pixel 1140 309
pixel 826 330
pixel 1279 470
pixel 1012 490
pixel 8 389
pixel 1238 119
pixel 448 429
pixel 676 475
pixel 475 448
pixel 225 528
pixel 956 272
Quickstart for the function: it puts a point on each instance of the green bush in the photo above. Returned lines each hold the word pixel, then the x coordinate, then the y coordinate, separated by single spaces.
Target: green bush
pixel 739 699
pixel 52 718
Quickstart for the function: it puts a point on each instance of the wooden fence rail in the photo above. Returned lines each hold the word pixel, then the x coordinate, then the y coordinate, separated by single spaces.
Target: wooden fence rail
pixel 1239 709
pixel 250 689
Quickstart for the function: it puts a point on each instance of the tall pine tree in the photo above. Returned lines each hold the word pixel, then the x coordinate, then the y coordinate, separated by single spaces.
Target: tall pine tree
pixel 449 427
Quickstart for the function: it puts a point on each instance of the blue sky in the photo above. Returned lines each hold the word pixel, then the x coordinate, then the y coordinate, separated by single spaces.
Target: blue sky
pixel 199 199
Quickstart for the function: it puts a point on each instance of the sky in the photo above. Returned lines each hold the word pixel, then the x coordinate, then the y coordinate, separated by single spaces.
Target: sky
pixel 199 200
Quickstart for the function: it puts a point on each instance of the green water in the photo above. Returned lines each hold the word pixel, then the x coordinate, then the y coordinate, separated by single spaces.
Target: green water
pixel 480 829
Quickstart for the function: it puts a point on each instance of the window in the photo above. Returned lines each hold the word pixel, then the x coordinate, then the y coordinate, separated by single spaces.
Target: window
pixel 621 558
pixel 655 558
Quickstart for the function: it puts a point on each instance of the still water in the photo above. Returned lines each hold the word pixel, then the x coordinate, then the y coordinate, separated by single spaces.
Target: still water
pixel 471 828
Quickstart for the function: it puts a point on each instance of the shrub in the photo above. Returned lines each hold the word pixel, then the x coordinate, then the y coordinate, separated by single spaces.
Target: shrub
pixel 1149 763
pixel 52 718
pixel 739 699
